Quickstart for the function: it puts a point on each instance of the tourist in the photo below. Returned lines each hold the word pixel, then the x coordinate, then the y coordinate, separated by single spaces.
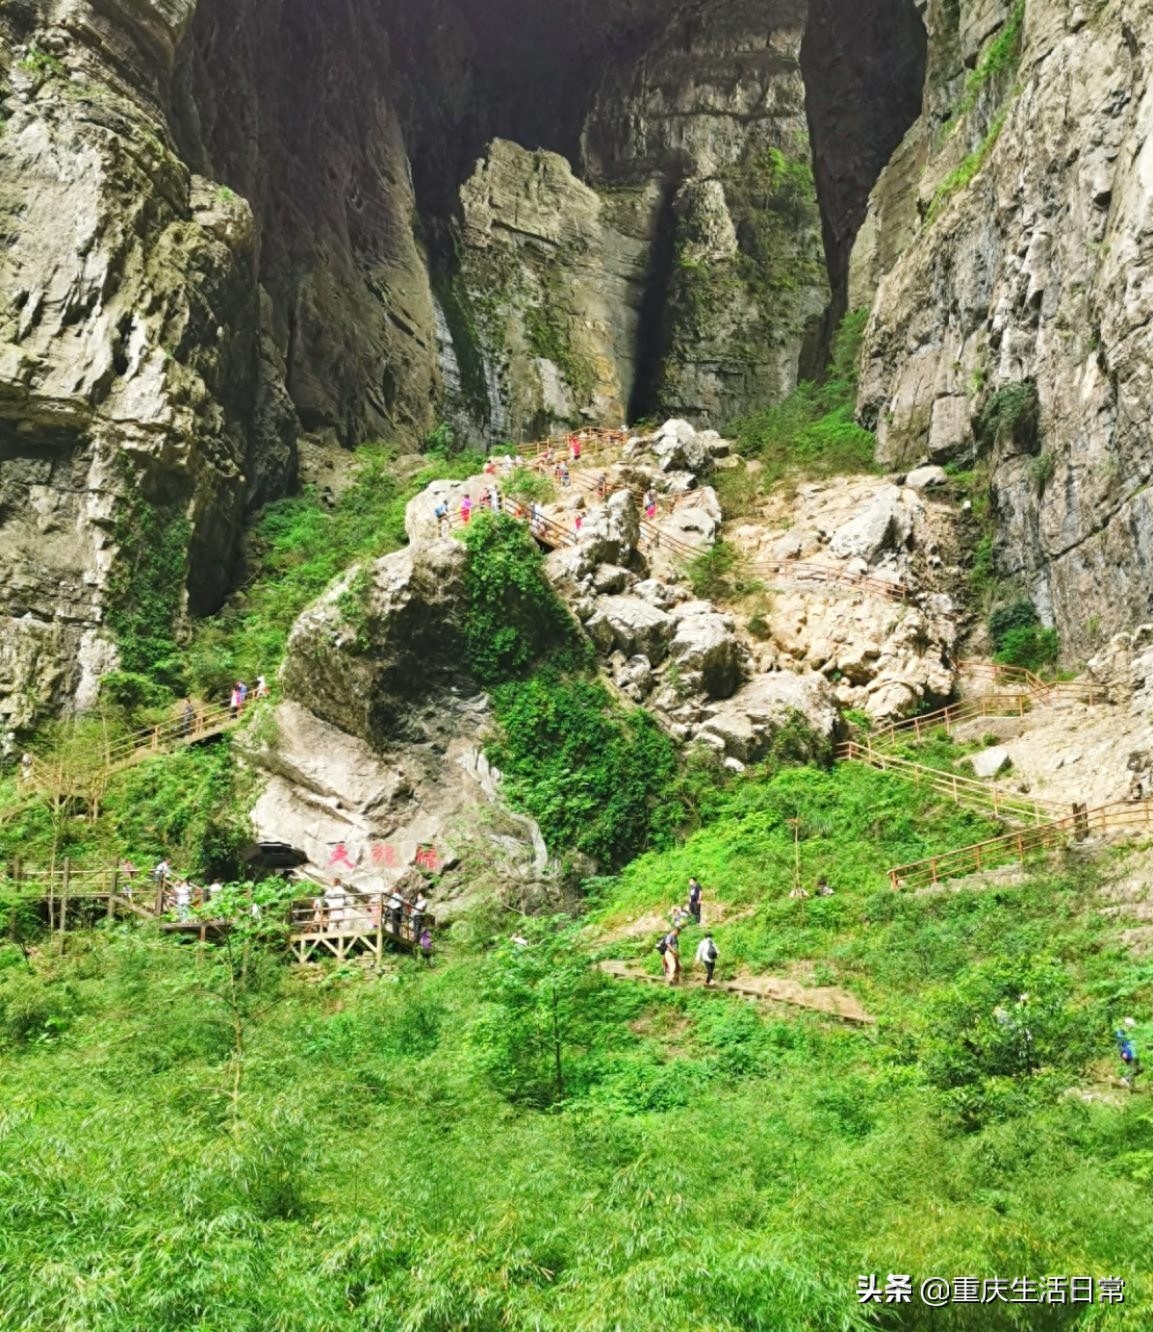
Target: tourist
pixel 318 921
pixel 335 898
pixel 578 523
pixel 650 504
pixel 695 892
pixel 396 905
pixel 426 947
pixel 234 703
pixel 490 466
pixel 494 499
pixel 187 718
pixel 183 898
pixel 574 445
pixel 242 689
pixel 162 872
pixel 1127 1050
pixel 213 891
pixel 440 513
pixel 707 957
pixel 671 955
pixel 466 509
pixel 419 908
pixel 127 877
pixel 823 889
pixel 679 915
pixel 602 486
pixel 261 687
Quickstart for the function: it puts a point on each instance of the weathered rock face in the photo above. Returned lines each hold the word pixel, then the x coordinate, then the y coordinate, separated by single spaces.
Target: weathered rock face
pixel 130 340
pixel 364 656
pixel 1010 251
pixel 707 137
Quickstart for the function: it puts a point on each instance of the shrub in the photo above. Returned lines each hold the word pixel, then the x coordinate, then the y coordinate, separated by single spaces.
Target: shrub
pixel 513 616
pixel 813 431
pixel 710 573
pixel 1011 417
pixel 598 780
pixel 1020 614
pixel 1032 648
pixel 133 692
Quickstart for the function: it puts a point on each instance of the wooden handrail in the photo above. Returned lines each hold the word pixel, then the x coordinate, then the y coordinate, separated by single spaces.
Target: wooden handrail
pixel 1045 691
pixel 987 705
pixel 968 791
pixel 1000 851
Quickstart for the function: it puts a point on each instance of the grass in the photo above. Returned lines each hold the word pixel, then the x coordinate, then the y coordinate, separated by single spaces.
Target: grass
pixel 813 431
pixel 197 1139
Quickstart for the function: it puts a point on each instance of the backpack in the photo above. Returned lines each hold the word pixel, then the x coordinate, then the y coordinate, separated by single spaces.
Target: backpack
pixel 1128 1053
pixel 662 944
pixel 711 953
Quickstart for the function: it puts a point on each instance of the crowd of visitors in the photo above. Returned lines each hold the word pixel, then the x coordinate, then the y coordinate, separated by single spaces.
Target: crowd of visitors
pixel 342 909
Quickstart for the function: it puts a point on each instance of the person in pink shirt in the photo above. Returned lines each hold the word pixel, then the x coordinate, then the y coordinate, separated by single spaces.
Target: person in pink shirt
pixel 466 509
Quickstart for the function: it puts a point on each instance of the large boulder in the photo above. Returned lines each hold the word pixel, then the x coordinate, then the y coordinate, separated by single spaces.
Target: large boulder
pixel 704 645
pixel 747 723
pixel 379 639
pixel 632 626
pixel 882 524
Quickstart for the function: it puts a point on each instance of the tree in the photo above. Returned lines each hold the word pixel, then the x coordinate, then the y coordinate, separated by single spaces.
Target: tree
pixel 544 1012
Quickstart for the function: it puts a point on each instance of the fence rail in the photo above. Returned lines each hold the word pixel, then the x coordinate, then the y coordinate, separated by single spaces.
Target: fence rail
pixel 1043 691
pixel 996 853
pixel 970 709
pixel 968 791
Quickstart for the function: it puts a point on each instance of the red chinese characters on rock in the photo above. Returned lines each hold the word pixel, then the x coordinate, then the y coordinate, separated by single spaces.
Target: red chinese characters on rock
pixel 427 858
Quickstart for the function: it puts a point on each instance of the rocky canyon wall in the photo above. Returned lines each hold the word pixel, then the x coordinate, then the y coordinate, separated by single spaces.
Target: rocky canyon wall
pixel 228 221
pixel 1008 256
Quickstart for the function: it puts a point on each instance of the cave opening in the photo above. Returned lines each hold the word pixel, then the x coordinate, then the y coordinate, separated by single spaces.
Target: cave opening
pixel 864 63
pixel 652 330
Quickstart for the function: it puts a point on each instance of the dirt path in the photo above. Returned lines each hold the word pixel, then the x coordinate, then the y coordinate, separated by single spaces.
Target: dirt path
pixel 823 999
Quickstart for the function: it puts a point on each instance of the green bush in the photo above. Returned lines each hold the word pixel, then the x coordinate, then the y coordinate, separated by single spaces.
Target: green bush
pixel 813 431
pixel 1012 416
pixel 513 616
pixel 1032 648
pixel 133 692
pixel 1020 614
pixel 711 572
pixel 598 779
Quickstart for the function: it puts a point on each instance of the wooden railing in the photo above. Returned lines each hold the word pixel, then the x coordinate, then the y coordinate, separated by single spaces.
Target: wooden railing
pixel 974 794
pixel 968 709
pixel 1042 691
pixel 1122 816
pixel 206 721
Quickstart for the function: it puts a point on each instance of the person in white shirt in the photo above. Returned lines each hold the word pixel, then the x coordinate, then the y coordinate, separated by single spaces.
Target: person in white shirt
pixel 707 957
pixel 419 907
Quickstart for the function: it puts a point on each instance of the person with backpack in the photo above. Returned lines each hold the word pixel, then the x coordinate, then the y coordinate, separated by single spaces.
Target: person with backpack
pixel 669 948
pixel 440 513
pixel 1127 1050
pixel 707 957
pixel 425 942
pixel 695 894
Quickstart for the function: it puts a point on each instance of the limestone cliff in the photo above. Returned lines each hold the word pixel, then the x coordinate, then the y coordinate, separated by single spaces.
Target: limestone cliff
pixel 1007 257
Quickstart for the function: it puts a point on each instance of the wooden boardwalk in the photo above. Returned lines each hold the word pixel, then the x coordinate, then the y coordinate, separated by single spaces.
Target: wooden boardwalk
pixel 359 927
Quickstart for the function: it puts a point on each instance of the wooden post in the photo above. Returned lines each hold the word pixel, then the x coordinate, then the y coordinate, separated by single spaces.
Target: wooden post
pixel 379 931
pixel 113 890
pixel 64 895
pixel 52 891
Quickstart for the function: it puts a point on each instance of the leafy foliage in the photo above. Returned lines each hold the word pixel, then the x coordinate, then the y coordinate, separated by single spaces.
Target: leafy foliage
pixel 1019 639
pixel 597 779
pixel 814 431
pixel 513 616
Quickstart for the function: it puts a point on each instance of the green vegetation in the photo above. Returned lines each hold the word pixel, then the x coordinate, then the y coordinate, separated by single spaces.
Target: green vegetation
pixel 1019 638
pixel 994 70
pixel 711 572
pixel 296 549
pixel 813 432
pixel 38 61
pixel 1011 416
pixel 513 616
pixel 145 602
pixel 1001 59
pixel 600 780
pixel 207 1137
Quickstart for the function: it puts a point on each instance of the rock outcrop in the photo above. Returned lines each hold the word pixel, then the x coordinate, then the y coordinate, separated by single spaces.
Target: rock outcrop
pixel 1007 257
